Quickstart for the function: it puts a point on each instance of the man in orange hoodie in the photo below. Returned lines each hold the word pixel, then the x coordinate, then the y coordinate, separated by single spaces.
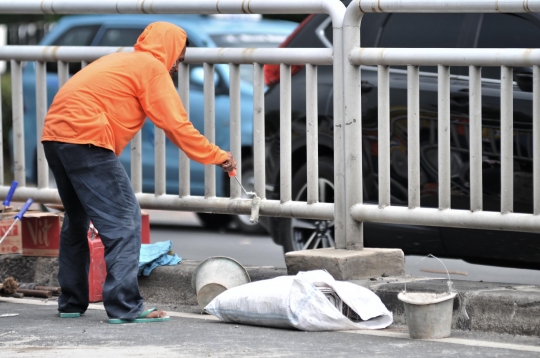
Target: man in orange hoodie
pixel 92 118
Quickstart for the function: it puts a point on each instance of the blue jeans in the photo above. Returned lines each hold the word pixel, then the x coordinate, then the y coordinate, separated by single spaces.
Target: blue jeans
pixel 94 186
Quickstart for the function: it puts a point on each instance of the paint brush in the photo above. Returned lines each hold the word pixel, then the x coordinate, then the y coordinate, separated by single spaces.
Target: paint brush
pixel 7 201
pixel 19 216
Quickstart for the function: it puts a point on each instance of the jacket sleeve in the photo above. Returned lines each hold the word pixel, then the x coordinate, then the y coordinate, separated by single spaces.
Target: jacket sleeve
pixel 162 105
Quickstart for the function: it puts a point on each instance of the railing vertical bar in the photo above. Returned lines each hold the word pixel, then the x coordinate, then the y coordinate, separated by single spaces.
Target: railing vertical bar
pixel 444 137
pixel 312 130
pixel 413 136
pixel 41 112
pixel 285 132
pixel 18 122
pixel 475 124
pixel 63 73
pixel 507 136
pixel 184 165
pixel 235 120
pixel 384 135
pixel 136 162
pixel 342 234
pixel 209 127
pixel 84 64
pixel 1 138
pixel 258 130
pixel 159 160
pixel 536 140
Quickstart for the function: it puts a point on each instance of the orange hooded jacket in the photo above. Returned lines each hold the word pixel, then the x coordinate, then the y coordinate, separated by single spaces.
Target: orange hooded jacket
pixel 106 103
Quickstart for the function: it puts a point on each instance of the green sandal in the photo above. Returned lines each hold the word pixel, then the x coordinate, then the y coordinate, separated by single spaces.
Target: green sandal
pixel 69 315
pixel 141 319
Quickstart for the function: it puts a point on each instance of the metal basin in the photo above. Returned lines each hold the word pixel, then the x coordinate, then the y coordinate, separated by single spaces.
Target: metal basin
pixel 216 275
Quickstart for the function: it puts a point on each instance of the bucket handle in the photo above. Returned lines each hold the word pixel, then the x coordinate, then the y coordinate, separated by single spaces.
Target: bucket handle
pixel 449 282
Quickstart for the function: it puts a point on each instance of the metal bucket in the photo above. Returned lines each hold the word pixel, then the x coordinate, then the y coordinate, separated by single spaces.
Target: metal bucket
pixel 429 315
pixel 216 275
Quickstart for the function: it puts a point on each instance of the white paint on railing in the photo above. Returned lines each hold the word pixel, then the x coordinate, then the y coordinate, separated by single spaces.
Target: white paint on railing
pixel 183 91
pixel 475 146
pixel 444 154
pixel 209 127
pixel 312 134
pixel 285 132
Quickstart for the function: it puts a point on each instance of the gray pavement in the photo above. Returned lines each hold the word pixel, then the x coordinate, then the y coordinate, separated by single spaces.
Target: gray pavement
pixel 38 332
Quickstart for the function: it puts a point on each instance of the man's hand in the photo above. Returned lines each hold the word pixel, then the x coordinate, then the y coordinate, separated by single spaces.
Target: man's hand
pixel 229 164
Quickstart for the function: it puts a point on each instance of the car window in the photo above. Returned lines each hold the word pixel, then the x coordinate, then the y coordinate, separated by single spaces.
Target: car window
pixel 422 31
pixel 74 36
pixel 249 41
pixel 506 31
pixel 120 37
pixel 77 36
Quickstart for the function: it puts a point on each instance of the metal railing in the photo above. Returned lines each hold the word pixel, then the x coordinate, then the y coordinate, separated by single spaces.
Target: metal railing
pixel 234 57
pixel 348 210
pixel 443 58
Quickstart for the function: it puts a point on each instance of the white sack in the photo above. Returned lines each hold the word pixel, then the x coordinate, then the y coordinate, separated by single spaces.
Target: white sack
pixel 295 302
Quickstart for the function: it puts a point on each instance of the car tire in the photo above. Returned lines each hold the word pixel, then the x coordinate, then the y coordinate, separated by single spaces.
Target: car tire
pixel 302 234
pixel 241 222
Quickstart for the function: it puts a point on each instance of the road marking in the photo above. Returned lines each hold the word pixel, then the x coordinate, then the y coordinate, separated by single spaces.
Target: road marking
pixel 460 341
pixel 379 333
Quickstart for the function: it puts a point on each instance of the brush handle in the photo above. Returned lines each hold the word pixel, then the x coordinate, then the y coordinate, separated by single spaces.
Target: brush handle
pixel 10 193
pixel 232 173
pixel 24 208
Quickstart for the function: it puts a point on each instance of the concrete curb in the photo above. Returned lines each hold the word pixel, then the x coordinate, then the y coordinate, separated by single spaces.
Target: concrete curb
pixel 479 306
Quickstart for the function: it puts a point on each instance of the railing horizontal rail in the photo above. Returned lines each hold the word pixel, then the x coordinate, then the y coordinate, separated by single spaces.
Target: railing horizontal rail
pixel 449 6
pixel 294 209
pixel 319 211
pixel 290 56
pixel 488 220
pixel 333 7
pixel 287 56
pixel 444 56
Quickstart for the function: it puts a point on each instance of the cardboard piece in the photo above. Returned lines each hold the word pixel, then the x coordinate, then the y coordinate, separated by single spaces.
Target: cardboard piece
pixel 37 234
pixel 12 244
pixel 40 234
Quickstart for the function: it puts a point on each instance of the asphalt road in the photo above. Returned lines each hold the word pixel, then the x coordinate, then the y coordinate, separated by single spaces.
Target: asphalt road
pixel 191 241
pixel 38 332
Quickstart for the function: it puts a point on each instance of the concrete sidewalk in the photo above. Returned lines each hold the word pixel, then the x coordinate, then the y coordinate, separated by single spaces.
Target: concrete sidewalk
pixel 479 306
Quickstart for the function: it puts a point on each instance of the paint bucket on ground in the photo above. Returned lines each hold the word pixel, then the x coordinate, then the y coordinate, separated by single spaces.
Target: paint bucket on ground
pixel 429 315
pixel 216 275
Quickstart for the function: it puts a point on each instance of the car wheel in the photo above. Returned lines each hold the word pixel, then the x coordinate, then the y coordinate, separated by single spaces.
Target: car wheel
pixel 241 222
pixel 303 234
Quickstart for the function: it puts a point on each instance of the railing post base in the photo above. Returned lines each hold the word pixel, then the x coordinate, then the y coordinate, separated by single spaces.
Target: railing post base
pixel 348 264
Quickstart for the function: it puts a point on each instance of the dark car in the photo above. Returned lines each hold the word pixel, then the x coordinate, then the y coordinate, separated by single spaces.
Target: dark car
pixel 409 30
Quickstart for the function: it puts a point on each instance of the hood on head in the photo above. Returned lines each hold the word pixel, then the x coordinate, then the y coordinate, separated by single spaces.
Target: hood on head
pixel 164 41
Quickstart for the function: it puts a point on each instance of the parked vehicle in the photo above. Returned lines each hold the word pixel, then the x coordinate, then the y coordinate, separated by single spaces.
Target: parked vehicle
pixel 409 30
pixel 203 31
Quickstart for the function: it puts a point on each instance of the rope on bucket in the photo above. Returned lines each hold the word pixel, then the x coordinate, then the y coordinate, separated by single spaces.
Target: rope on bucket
pixel 448 283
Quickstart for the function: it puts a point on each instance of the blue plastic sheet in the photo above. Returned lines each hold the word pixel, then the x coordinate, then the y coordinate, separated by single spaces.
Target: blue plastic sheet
pixel 154 255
